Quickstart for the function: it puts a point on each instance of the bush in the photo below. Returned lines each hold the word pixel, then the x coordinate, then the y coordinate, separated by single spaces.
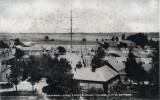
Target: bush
pixel 51 90
pixel 6 86
pixel 79 65
pixel 61 49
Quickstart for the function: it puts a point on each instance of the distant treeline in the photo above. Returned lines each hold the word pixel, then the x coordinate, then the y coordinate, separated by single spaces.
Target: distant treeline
pixel 150 34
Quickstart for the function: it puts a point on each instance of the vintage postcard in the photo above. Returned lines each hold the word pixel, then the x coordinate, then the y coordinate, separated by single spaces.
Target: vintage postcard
pixel 79 49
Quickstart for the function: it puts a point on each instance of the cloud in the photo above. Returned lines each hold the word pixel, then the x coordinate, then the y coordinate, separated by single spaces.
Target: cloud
pixel 93 15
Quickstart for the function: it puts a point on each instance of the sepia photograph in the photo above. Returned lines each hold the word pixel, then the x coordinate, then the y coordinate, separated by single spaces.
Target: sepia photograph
pixel 79 50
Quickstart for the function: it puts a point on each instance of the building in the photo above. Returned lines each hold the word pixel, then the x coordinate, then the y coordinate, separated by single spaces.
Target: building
pixel 104 78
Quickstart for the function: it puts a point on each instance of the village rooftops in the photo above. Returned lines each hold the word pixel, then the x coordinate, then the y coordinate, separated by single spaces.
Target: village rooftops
pixel 102 74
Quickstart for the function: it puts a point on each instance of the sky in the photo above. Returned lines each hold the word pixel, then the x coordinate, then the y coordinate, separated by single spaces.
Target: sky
pixel 91 16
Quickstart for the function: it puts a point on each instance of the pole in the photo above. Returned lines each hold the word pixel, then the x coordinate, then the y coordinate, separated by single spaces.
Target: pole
pixel 71 30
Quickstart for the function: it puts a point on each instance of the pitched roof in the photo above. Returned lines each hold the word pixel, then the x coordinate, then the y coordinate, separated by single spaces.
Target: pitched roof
pixel 116 65
pixel 121 59
pixel 139 54
pixel 102 74
pixel 7 57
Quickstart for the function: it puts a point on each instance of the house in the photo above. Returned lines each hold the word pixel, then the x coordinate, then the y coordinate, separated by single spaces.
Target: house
pixel 139 55
pixel 118 67
pixel 121 59
pixel 124 50
pixel 4 72
pixel 104 78
pixel 111 50
pixel 113 44
pixel 4 68
pixel 144 60
pixel 117 59
pixel 29 43
pixel 31 50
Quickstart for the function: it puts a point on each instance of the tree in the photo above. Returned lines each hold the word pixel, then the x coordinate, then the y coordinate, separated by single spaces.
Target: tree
pixel 15 75
pixel 140 39
pixel 139 74
pixel 100 52
pixel 96 62
pixel 61 49
pixel 59 77
pixel 34 72
pixel 97 39
pixel 3 44
pixel 84 40
pixel 154 44
pixel 46 38
pixel 153 74
pixel 122 45
pixel 19 53
pixel 134 70
pixel 113 38
pixel 102 39
pixel 105 45
pixel 25 70
pixel 79 65
pixel 17 42
pixel 116 38
pixel 123 37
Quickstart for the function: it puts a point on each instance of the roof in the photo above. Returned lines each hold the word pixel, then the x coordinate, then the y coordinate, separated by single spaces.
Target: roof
pixel 124 49
pixel 116 65
pixel 144 59
pixel 26 56
pixel 102 74
pixel 18 46
pixel 139 54
pixel 147 67
pixel 127 41
pixel 7 57
pixel 33 48
pixel 121 59
pixel 29 43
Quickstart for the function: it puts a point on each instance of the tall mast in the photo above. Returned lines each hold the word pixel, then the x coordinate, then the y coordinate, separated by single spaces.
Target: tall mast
pixel 71 30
